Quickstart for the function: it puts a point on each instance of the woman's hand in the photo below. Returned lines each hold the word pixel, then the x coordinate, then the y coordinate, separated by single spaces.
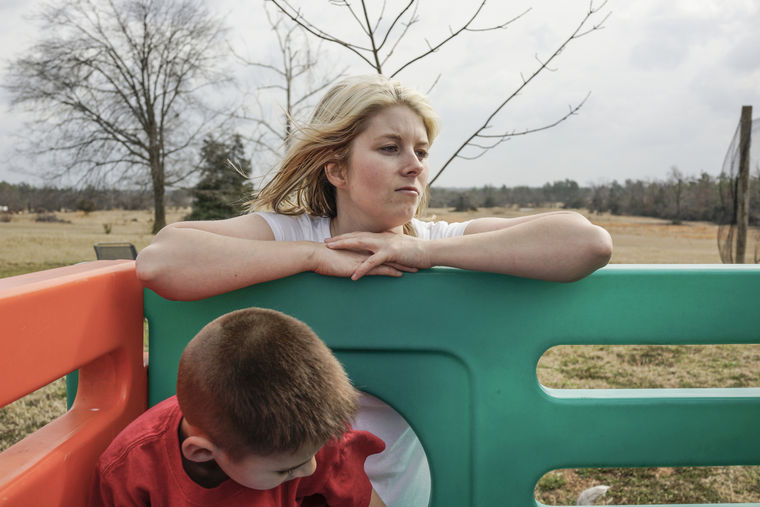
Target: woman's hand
pixel 337 262
pixel 399 252
pixel 347 262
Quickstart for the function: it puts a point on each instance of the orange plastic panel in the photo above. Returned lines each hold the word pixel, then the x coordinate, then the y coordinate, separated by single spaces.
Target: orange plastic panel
pixel 87 317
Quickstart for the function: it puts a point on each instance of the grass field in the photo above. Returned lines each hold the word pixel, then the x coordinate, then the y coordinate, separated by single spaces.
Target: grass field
pixel 28 245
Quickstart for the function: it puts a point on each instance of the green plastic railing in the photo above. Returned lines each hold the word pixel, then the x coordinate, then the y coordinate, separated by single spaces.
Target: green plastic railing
pixel 455 352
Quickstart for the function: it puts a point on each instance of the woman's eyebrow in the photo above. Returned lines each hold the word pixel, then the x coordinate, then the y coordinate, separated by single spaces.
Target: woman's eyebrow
pixel 392 137
pixel 397 138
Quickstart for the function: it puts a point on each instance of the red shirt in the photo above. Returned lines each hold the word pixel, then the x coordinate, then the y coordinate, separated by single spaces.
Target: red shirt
pixel 143 466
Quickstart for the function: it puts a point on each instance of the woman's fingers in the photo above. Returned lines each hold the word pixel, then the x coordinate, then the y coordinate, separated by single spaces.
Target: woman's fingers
pixel 374 261
pixel 349 263
pixel 383 249
pixel 402 267
pixel 387 269
pixel 352 243
pixel 378 265
pixel 388 253
pixel 382 270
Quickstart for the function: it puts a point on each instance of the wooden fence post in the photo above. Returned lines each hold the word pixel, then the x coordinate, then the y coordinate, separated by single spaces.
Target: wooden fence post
pixel 742 193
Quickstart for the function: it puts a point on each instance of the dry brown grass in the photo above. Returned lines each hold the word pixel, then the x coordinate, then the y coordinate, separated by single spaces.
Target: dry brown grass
pixel 650 366
pixel 29 246
pixel 642 486
pixel 31 412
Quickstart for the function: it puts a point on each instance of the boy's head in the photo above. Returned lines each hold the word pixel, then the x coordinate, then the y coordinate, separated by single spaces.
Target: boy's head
pixel 261 394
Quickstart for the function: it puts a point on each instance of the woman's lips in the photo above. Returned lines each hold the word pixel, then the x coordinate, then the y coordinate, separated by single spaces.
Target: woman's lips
pixel 409 191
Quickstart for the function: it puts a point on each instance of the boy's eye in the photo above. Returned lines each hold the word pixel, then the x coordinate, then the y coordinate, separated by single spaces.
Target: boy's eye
pixel 289 473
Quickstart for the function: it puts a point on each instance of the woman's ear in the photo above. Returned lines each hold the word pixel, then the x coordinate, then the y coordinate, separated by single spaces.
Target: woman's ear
pixel 336 174
pixel 198 448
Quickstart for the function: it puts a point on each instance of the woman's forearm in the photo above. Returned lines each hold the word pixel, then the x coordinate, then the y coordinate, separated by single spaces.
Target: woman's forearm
pixel 187 264
pixel 558 247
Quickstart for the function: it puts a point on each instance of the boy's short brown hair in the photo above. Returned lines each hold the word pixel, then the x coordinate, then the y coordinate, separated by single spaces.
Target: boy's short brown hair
pixel 257 381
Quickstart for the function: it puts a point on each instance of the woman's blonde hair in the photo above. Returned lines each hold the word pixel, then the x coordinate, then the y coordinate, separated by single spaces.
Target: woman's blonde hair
pixel 301 185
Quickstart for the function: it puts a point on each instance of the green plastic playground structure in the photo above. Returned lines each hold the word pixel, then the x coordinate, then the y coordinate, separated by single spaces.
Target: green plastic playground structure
pixel 455 352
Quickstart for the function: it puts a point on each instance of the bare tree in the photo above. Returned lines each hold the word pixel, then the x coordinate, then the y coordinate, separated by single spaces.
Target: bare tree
pixel 382 40
pixel 114 86
pixel 292 83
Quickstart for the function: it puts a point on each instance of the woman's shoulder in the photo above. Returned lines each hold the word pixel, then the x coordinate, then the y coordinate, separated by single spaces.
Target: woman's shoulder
pixel 301 227
pixel 438 229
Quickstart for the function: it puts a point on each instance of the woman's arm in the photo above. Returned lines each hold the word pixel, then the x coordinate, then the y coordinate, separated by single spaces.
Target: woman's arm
pixel 193 260
pixel 558 246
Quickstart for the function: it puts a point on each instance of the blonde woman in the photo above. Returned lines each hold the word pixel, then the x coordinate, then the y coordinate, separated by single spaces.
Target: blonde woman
pixel 343 203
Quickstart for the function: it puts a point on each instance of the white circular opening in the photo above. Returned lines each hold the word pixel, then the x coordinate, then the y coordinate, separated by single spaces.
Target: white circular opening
pixel 400 474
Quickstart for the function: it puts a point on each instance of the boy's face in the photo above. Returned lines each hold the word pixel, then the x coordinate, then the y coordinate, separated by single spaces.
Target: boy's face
pixel 267 472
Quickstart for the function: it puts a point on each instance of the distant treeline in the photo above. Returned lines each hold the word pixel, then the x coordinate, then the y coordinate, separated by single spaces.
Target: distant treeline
pixel 23 197
pixel 703 198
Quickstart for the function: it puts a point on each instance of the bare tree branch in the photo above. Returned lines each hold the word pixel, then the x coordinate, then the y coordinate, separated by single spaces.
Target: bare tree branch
pixel 395 21
pixel 371 36
pixel 380 17
pixel 295 82
pixel 296 17
pixel 576 34
pixel 412 20
pixel 572 110
pixel 453 34
pixel 371 55
pixel 407 16
pixel 345 3
pixel 435 82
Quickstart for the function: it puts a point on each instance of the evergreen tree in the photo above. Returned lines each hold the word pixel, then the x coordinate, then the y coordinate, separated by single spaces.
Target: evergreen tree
pixel 222 190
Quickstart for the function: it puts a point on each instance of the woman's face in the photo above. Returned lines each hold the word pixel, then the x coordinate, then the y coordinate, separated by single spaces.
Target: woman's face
pixel 381 185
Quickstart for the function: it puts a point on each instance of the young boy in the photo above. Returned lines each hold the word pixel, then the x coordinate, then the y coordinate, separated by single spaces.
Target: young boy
pixel 261 418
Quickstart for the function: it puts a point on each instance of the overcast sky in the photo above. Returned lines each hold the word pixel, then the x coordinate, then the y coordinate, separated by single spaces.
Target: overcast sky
pixel 667 82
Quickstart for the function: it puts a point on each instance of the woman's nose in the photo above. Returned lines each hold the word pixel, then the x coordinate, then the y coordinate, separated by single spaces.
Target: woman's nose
pixel 412 163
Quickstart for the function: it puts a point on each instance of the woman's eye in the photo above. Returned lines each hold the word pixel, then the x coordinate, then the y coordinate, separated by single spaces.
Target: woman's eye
pixel 422 154
pixel 390 148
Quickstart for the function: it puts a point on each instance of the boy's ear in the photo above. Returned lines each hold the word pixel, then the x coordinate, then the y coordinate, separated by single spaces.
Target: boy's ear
pixel 198 448
pixel 336 174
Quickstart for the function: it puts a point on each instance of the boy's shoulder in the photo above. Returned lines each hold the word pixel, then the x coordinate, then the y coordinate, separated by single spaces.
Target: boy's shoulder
pixel 147 433
pixel 340 476
pixel 353 443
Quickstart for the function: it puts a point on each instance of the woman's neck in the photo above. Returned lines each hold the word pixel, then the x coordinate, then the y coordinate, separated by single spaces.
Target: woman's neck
pixel 343 225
